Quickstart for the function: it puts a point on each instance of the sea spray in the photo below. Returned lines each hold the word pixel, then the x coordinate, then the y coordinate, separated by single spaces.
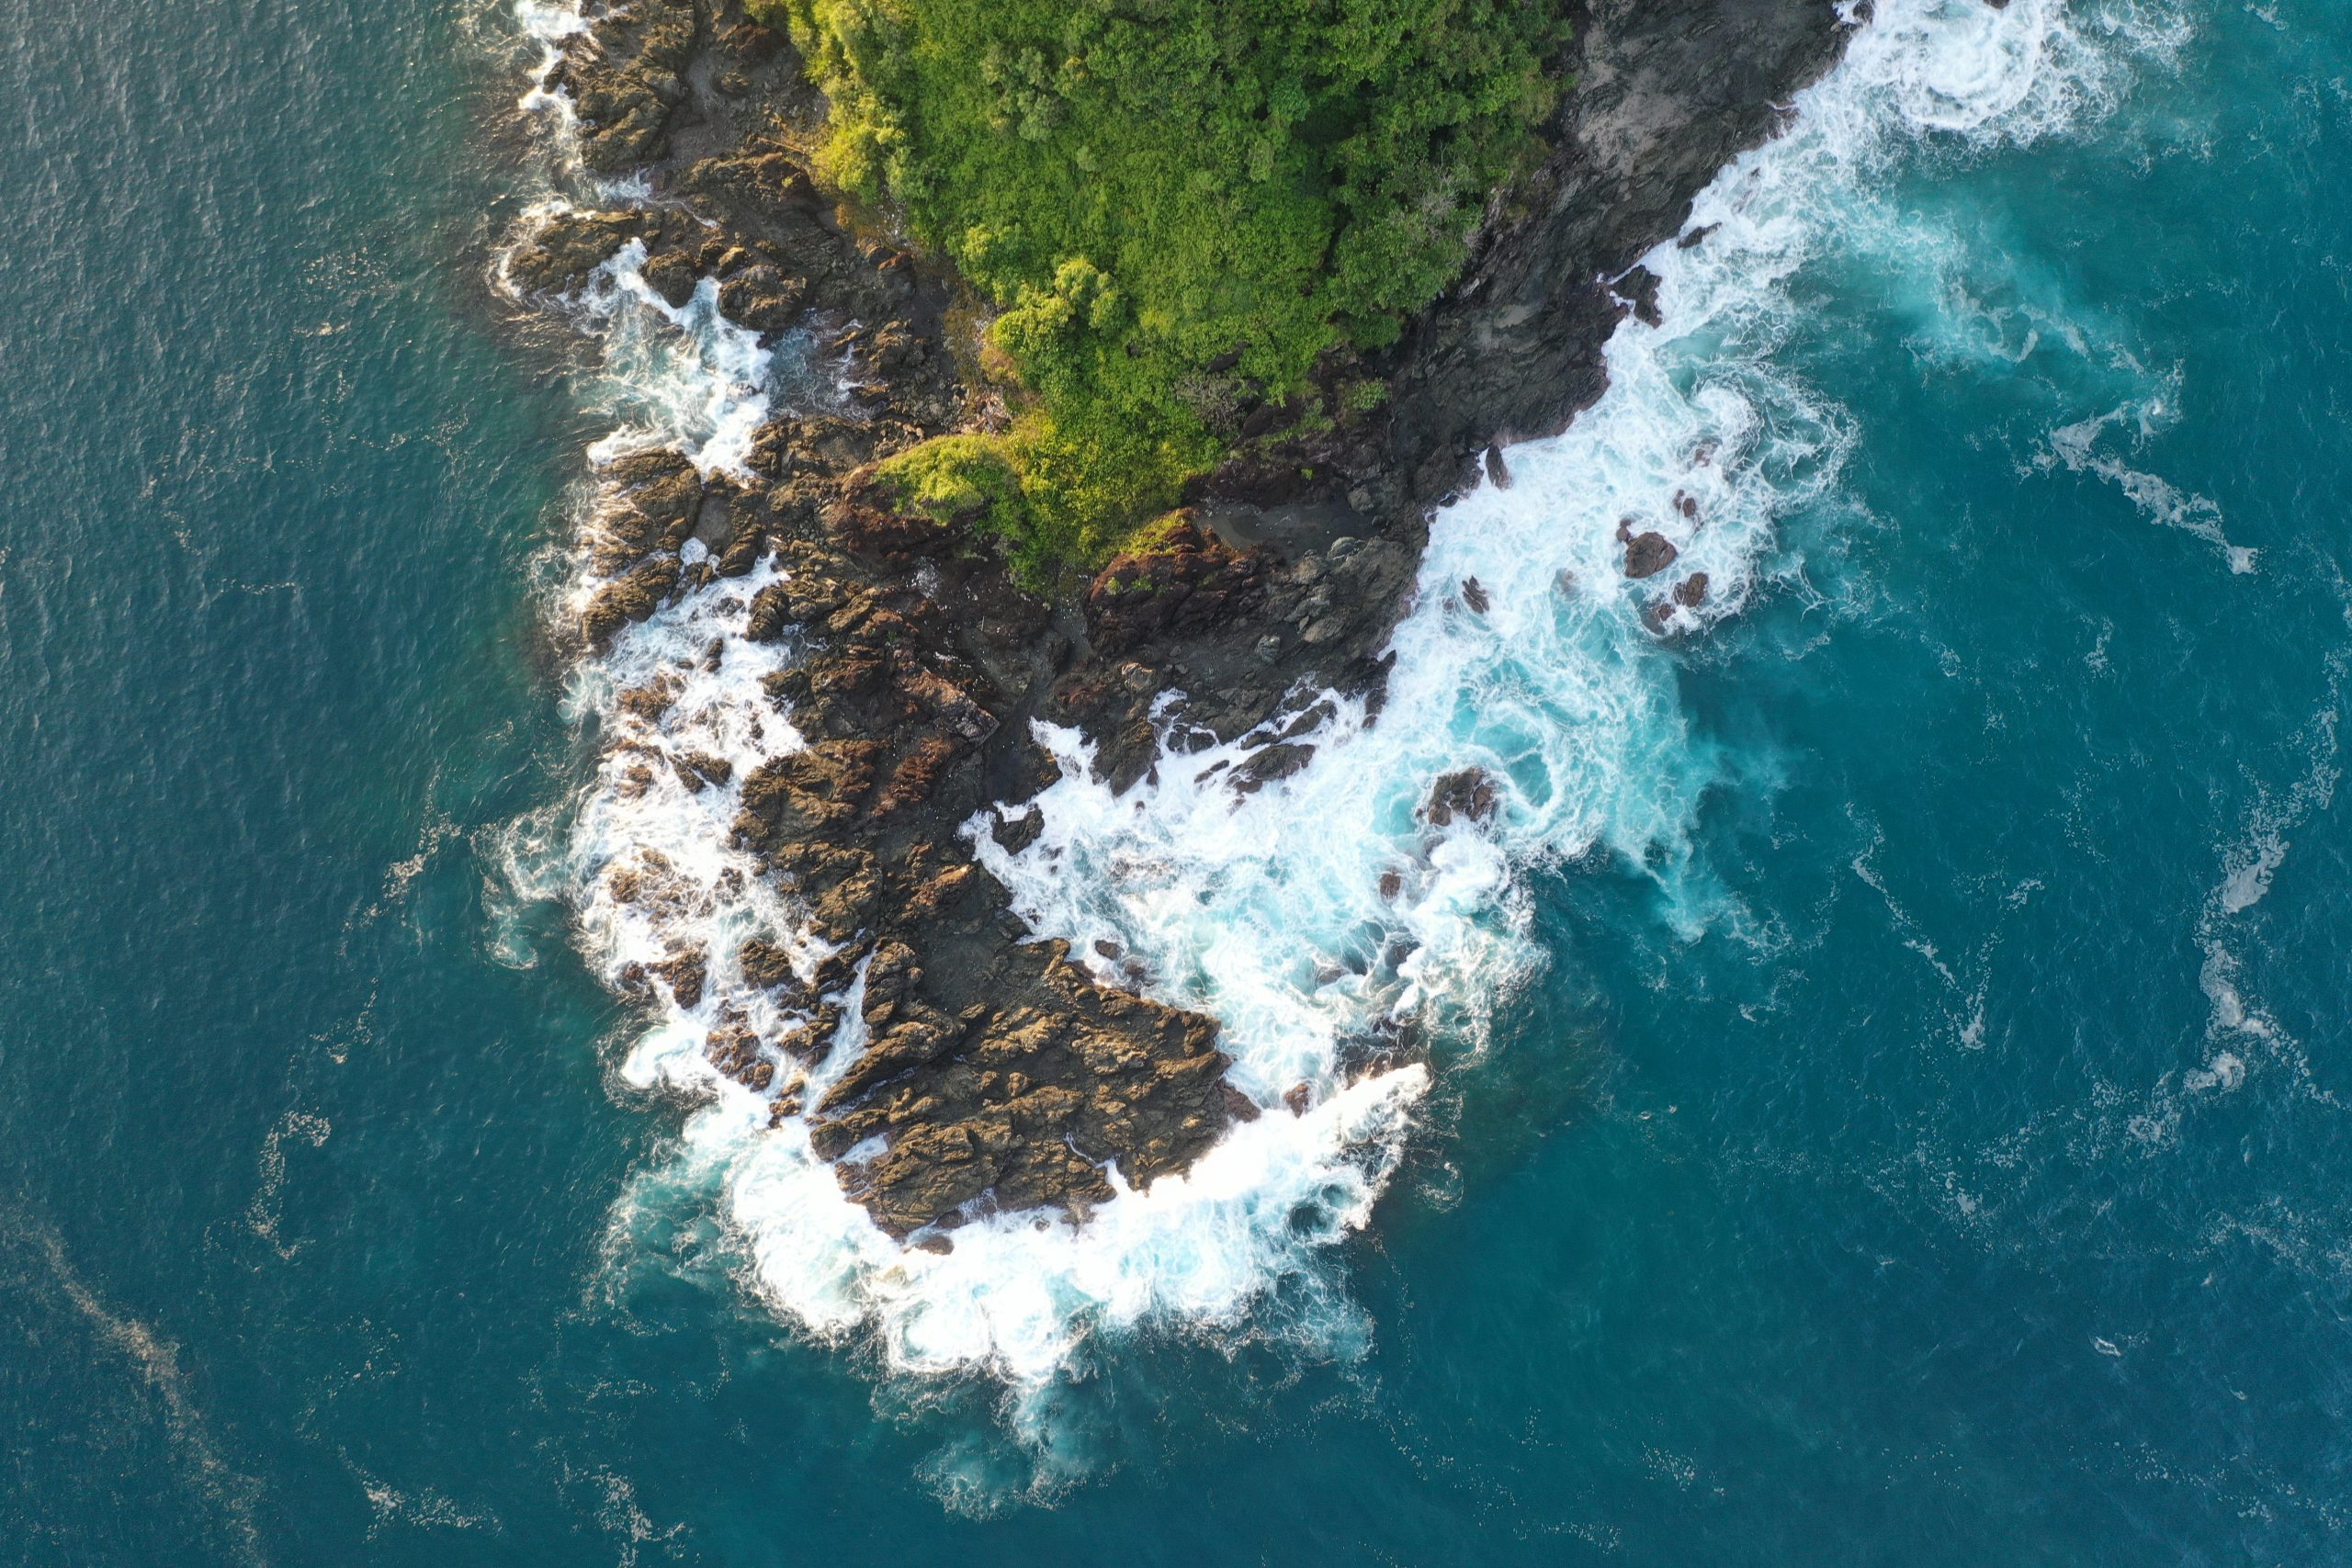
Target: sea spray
pixel 1330 911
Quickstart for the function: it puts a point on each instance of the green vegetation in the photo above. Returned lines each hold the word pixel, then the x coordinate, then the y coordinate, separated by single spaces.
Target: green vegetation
pixel 1182 208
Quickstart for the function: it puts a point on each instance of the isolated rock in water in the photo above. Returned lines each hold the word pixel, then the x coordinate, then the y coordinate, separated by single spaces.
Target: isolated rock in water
pixel 1469 795
pixel 1646 555
pixel 1474 595
pixel 1692 592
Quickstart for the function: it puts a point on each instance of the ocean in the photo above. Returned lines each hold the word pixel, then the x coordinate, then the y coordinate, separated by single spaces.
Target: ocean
pixel 1889 1049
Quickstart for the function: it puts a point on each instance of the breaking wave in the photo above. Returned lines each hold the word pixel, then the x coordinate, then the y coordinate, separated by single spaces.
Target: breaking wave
pixel 1324 907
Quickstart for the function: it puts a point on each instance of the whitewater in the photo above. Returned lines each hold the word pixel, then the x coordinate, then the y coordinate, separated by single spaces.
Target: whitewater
pixel 1556 680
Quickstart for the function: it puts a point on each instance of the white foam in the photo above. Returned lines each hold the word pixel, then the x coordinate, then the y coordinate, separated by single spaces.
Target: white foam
pixel 1267 910
pixel 2249 864
pixel 548 27
pixel 2077 447
pixel 682 377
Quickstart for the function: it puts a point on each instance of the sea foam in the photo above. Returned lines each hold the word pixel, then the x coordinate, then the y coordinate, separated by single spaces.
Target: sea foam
pixel 1268 911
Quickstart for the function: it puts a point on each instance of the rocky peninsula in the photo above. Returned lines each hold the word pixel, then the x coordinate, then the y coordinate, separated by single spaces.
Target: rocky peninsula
pixel 993 1071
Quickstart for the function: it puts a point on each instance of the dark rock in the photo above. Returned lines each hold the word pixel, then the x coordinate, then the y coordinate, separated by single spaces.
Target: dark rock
pixel 1269 763
pixel 687 974
pixel 1298 1096
pixel 766 966
pixel 1474 595
pixel 1017 833
pixel 1180 581
pixel 567 247
pixel 1648 553
pixel 671 276
pixel 1666 92
pixel 762 298
pixel 1639 289
pixel 633 598
pixel 1692 592
pixel 1467 793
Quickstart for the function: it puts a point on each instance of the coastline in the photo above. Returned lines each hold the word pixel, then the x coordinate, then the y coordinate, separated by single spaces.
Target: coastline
pixel 945 1065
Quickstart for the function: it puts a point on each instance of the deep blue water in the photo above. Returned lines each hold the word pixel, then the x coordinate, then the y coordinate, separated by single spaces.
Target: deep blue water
pixel 1936 1204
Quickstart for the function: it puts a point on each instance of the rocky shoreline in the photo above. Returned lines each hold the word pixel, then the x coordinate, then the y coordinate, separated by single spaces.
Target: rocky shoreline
pixel 986 1072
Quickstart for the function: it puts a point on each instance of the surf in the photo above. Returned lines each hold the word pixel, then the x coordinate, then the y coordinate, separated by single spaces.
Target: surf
pixel 1331 912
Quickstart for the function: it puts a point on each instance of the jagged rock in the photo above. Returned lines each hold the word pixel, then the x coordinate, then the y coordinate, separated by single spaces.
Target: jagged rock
pixel 687 973
pixel 627 80
pixel 1666 92
pixel 763 298
pixel 1269 763
pixel 1468 794
pixel 1183 581
pixel 570 245
pixel 766 966
pixel 1017 833
pixel 632 598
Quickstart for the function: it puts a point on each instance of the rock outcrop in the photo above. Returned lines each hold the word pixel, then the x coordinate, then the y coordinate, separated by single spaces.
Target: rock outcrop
pixel 996 1072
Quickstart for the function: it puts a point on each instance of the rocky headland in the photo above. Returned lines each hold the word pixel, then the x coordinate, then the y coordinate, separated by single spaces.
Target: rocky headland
pixel 997 1072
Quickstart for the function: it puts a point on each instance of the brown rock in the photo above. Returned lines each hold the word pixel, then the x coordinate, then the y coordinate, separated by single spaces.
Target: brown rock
pixel 1646 555
pixel 687 974
pixel 1468 794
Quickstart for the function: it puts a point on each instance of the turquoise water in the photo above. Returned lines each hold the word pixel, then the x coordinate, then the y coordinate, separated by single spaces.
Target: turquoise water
pixel 1936 1155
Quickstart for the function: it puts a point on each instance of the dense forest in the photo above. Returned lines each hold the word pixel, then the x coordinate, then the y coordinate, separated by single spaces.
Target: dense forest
pixel 1181 212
